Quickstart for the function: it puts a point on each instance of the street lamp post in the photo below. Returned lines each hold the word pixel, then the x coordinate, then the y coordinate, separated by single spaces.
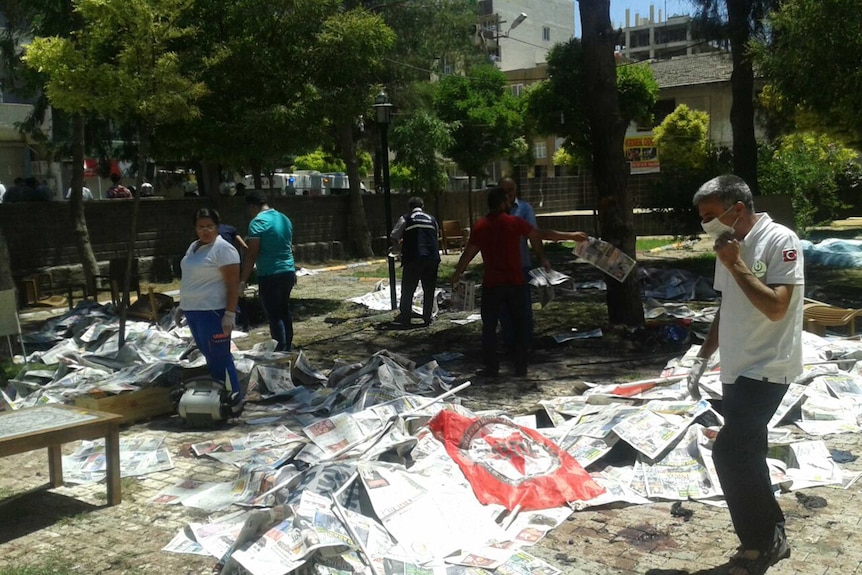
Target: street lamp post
pixel 383 112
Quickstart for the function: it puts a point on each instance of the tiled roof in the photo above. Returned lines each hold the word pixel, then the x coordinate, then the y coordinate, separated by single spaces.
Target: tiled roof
pixel 706 68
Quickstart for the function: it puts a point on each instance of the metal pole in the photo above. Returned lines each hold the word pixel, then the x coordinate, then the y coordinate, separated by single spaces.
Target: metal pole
pixel 384 152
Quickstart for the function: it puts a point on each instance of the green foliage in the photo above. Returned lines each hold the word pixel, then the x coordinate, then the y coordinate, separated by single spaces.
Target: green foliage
pixel 320 161
pixel 682 140
pixel 254 56
pixel 419 140
pixel 558 104
pixel 519 152
pixel 428 35
pixel 326 163
pixel 401 177
pixel 812 59
pixel 638 92
pixel 122 63
pixel 348 61
pixel 562 157
pixel 808 167
pixel 676 186
pixel 481 114
pixel 687 159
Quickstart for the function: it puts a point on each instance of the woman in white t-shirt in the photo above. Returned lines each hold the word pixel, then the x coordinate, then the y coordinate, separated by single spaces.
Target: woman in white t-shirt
pixel 208 297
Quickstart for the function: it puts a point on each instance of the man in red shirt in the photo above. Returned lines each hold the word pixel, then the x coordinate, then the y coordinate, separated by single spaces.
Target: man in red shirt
pixel 498 236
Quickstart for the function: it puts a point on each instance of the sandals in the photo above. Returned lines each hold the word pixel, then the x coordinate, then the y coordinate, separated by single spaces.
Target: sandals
pixel 764 560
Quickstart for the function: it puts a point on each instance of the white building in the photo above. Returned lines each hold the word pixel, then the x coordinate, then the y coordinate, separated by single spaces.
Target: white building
pixel 651 38
pixel 515 41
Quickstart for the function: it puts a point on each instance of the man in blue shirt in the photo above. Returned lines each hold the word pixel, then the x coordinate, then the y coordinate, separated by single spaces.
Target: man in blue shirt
pixel 270 248
pixel 525 211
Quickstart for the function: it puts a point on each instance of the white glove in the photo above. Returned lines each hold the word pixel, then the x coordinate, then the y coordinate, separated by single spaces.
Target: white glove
pixel 698 367
pixel 228 322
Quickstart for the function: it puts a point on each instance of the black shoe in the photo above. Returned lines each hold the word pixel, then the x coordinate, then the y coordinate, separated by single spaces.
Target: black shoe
pixel 237 402
pixel 780 549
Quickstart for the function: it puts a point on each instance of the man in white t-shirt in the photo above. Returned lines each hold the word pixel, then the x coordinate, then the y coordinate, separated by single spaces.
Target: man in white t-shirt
pixel 758 328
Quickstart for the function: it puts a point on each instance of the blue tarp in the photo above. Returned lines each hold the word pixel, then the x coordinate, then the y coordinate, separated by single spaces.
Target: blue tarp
pixel 834 253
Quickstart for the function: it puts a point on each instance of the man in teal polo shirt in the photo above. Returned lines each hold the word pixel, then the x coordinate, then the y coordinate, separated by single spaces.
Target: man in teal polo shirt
pixel 270 248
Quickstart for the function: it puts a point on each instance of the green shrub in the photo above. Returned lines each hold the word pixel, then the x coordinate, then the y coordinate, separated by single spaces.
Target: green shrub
pixel 809 167
pixel 688 158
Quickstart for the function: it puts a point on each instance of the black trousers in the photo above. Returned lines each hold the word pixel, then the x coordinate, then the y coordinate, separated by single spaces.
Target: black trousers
pixel 739 454
pixel 420 270
pixel 507 299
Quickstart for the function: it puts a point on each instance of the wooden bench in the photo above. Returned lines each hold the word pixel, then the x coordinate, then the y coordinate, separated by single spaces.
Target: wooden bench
pixel 53 425
pixel 452 234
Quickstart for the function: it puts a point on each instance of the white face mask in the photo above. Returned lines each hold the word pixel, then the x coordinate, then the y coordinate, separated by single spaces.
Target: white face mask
pixel 715 228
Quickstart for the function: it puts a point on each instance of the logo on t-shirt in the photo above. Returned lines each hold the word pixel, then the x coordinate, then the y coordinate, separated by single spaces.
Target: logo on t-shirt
pixel 759 269
pixel 789 255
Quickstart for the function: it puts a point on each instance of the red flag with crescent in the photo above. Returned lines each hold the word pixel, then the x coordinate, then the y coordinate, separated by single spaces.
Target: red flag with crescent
pixel 512 465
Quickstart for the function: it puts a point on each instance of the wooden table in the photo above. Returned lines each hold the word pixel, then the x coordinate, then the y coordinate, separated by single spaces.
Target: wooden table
pixel 53 425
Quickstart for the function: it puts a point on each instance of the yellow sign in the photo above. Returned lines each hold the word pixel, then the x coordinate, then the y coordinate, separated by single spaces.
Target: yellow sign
pixel 641 155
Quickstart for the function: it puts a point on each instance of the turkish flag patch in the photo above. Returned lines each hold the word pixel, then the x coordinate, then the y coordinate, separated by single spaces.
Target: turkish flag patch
pixel 789 255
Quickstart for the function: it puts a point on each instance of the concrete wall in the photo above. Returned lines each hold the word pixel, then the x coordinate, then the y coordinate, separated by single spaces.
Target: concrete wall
pixel 40 235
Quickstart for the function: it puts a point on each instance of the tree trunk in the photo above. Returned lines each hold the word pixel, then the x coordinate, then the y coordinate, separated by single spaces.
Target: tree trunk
pixel 742 89
pixel 357 222
pixel 607 130
pixel 470 201
pixel 255 174
pixel 143 152
pixel 79 220
pixel 208 180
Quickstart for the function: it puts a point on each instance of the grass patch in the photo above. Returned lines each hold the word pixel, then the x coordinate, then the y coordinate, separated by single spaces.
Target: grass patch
pixel 375 272
pixel 54 566
pixel 834 286
pixel 444 272
pixel 641 244
pixel 647 244
pixel 60 566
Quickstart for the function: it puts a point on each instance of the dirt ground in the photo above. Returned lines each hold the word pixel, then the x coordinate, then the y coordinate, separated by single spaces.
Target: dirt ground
pixel 326 327
pixel 71 525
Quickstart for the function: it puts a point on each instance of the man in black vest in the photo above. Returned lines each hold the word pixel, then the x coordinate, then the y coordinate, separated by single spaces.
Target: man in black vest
pixel 420 258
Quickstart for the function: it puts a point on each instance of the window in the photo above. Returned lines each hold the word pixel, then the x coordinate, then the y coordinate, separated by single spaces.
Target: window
pixel 540 150
pixel 517 89
pixel 546 33
pixel 539 171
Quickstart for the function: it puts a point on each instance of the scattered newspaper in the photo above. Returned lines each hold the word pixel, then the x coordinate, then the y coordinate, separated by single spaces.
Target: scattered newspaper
pixel 649 432
pixel 138 456
pixel 464 296
pixel 680 474
pixel 807 463
pixel 547 282
pixel 605 257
